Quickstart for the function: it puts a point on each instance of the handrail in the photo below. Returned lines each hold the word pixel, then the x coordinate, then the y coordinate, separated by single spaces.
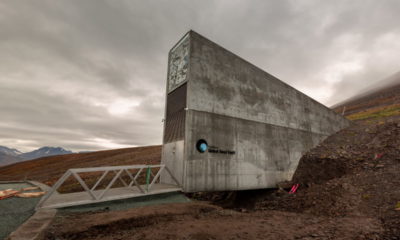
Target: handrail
pixel 117 170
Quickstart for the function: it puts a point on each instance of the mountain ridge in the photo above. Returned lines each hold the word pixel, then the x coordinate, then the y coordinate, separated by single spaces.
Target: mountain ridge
pixel 10 151
pixel 6 159
pixel 389 84
pixel 44 152
pixel 386 98
pixel 12 155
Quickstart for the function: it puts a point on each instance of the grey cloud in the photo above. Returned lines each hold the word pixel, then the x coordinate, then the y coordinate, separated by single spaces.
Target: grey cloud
pixel 65 65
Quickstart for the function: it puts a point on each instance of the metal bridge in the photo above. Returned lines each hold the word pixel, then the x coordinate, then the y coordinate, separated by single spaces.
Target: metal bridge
pixel 140 180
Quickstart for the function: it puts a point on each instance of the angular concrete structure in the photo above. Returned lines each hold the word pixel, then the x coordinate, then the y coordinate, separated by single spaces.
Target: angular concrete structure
pixel 231 126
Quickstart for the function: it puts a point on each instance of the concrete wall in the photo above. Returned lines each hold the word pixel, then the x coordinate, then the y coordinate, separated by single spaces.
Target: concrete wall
pixel 264 153
pixel 258 126
pixel 173 152
pixel 172 156
pixel 225 84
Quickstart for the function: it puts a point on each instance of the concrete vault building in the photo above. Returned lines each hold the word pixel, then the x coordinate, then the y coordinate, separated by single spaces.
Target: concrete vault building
pixel 231 126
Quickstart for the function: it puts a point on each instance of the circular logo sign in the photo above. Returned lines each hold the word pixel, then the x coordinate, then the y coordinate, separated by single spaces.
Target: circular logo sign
pixel 201 145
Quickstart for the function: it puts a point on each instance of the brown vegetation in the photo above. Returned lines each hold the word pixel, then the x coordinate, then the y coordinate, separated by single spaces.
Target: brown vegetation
pixel 49 169
pixel 381 99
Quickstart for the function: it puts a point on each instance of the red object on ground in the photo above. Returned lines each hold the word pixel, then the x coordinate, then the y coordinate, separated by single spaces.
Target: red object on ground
pixel 294 188
pixel 8 193
pixel 378 155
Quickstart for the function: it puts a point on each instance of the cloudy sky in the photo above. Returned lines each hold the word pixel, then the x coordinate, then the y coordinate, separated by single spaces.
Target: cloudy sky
pixel 90 74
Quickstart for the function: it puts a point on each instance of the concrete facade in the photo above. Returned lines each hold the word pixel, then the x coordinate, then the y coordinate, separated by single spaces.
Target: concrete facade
pixel 256 126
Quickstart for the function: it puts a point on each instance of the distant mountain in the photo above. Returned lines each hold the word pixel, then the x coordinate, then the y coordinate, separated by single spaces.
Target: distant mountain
pixel 6 159
pixel 44 152
pixel 85 152
pixel 10 151
pixel 49 169
pixel 386 95
pixel 11 155
pixel 386 90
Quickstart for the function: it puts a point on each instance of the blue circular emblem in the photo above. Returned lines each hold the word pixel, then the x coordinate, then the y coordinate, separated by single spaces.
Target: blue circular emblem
pixel 202 145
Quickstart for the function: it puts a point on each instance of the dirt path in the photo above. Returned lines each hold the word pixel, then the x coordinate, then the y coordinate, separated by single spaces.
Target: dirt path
pixel 205 221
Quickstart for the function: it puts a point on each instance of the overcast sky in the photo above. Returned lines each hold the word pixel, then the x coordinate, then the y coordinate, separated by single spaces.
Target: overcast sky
pixel 89 75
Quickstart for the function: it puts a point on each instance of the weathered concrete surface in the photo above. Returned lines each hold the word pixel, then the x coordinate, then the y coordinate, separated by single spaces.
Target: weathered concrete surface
pixel 258 126
pixel 265 153
pixel 173 154
pixel 34 227
pixel 222 83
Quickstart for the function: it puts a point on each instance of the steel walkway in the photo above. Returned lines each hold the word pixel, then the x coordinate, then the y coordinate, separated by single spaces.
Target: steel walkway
pixel 142 181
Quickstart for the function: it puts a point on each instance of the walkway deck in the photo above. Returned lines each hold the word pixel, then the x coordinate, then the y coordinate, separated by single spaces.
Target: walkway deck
pixel 81 198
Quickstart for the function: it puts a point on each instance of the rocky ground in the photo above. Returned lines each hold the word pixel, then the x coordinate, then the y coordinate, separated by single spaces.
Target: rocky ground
pixel 353 173
pixel 204 221
pixel 349 189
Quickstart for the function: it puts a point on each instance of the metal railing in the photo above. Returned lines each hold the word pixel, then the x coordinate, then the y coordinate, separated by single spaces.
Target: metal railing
pixel 118 171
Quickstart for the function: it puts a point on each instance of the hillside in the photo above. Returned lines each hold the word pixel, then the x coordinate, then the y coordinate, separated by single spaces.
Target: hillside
pixel 12 155
pixel 381 102
pixel 10 151
pixel 44 152
pixel 49 169
pixel 6 159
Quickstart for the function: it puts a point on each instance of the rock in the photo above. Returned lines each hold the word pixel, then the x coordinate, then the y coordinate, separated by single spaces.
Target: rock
pixel 285 185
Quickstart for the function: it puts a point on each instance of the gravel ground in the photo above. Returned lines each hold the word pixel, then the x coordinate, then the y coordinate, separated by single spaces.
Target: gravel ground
pixel 14 211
